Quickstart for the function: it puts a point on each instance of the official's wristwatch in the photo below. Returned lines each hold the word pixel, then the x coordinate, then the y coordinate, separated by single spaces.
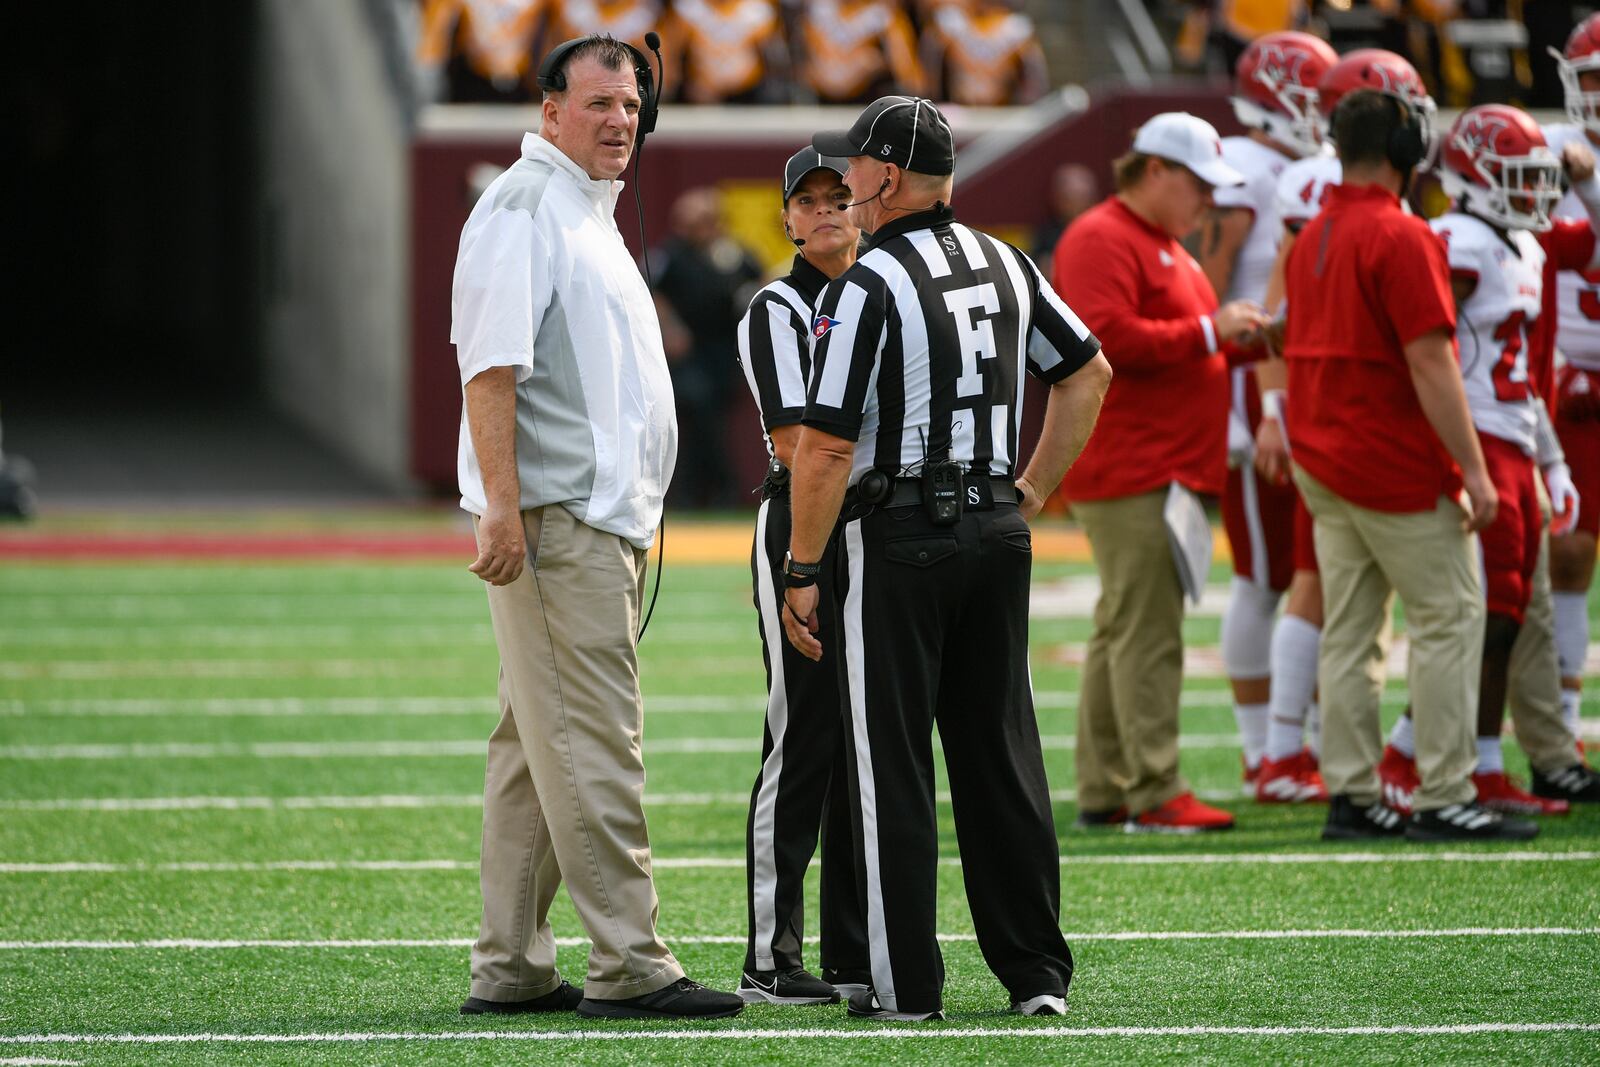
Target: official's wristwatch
pixel 797 575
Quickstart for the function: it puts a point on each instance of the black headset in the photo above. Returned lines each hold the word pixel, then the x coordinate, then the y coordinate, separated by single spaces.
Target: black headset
pixel 1407 145
pixel 553 75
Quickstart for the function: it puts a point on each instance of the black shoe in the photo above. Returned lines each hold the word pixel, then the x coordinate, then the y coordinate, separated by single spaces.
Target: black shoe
pixel 1043 1004
pixel 1102 820
pixel 848 981
pixel 562 998
pixel 1577 784
pixel 683 999
pixel 1468 822
pixel 866 1006
pixel 794 986
pixel 1348 821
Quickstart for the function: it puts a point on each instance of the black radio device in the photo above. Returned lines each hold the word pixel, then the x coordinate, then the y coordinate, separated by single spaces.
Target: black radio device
pixel 942 492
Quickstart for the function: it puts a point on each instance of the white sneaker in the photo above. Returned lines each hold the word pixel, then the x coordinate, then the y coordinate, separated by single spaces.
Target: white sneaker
pixel 1048 1004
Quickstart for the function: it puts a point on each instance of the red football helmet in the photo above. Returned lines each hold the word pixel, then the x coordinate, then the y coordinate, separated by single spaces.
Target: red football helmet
pixel 1582 55
pixel 1496 161
pixel 1384 71
pixel 1276 88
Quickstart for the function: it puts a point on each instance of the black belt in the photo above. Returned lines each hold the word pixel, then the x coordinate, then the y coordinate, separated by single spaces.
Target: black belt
pixel 907 491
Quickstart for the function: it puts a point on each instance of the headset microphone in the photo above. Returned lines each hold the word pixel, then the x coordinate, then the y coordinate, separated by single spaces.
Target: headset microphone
pixel 799 242
pixel 873 197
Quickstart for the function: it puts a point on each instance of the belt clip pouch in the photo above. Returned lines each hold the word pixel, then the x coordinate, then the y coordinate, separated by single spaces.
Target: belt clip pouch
pixel 941 493
pixel 777 479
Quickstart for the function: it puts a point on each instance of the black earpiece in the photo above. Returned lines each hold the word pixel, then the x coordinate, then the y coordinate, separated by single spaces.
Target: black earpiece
pixel 873 197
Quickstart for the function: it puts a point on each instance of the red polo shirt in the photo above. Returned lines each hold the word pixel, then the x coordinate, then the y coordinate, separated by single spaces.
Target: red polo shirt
pixel 1364 279
pixel 1165 415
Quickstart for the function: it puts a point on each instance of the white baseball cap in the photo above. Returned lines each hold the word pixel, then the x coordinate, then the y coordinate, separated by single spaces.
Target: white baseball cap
pixel 1180 137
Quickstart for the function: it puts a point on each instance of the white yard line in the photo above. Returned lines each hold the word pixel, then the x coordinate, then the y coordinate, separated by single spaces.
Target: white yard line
pixel 229 944
pixel 899 1033
pixel 737 862
pixel 475 747
pixel 382 801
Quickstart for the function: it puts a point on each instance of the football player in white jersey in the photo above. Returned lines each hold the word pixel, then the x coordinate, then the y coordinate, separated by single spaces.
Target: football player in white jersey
pixel 1276 99
pixel 1504 180
pixel 1297 635
pixel 1576 394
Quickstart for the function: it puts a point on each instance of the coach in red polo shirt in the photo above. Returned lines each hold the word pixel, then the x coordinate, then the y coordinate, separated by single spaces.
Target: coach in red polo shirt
pixel 1382 444
pixel 1164 421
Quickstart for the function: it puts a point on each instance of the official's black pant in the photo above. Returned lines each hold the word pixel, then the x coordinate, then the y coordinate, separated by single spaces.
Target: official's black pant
pixel 803 784
pixel 935 631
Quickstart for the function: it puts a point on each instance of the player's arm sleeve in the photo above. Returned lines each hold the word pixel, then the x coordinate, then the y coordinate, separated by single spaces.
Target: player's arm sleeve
pixel 1413 276
pixel 1100 279
pixel 1058 343
pixel 501 291
pixel 772 341
pixel 847 341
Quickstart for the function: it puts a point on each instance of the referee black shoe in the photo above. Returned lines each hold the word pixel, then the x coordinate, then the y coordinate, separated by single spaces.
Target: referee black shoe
pixel 1577 784
pixel 683 999
pixel 1468 822
pixel 794 986
pixel 1349 821
pixel 848 981
pixel 563 997
pixel 1044 1004
pixel 1102 820
pixel 866 1006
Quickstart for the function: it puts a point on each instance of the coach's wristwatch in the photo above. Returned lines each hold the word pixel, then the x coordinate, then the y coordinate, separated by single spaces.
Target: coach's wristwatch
pixel 797 575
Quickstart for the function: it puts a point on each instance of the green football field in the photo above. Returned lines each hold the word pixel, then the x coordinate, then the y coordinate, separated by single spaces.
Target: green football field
pixel 239 822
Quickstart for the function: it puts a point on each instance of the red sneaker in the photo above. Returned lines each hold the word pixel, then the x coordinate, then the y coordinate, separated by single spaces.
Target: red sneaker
pixel 1497 792
pixel 1292 780
pixel 1249 777
pixel 1398 773
pixel 1183 814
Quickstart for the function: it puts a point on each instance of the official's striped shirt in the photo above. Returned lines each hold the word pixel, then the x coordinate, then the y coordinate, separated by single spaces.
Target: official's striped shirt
pixel 918 350
pixel 775 345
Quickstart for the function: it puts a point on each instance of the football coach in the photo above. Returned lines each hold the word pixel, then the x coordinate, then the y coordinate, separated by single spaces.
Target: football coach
pixel 911 426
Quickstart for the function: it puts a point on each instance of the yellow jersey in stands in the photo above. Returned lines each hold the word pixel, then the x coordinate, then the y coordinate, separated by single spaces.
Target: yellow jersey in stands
pixel 990 55
pixel 626 20
pixel 850 46
pixel 723 46
pixel 495 37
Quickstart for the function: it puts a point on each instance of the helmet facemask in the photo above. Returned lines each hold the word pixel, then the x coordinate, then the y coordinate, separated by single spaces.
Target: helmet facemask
pixel 1298 126
pixel 1517 192
pixel 1583 106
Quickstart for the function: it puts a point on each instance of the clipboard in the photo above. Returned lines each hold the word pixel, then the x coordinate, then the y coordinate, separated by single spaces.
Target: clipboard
pixel 1189 533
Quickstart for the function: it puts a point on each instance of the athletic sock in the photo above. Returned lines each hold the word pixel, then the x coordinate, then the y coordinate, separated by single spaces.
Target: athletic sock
pixel 1252 721
pixel 1490 760
pixel 1403 738
pixel 1572 631
pixel 1294 681
pixel 1572 710
pixel 1314 729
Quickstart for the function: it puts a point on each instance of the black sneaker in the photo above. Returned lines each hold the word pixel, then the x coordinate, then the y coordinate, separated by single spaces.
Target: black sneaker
pixel 866 1006
pixel 794 986
pixel 1349 821
pixel 1102 820
pixel 848 981
pixel 562 998
pixel 683 999
pixel 1577 784
pixel 1468 822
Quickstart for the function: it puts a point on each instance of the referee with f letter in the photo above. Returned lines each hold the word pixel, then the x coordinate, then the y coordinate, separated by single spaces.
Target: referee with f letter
pixel 911 427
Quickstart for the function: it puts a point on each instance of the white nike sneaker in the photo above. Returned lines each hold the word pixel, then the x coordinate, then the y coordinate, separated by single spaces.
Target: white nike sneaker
pixel 1048 1004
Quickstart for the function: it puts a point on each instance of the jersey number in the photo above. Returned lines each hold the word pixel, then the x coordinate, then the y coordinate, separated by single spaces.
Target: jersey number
pixel 1311 187
pixel 1510 374
pixel 977 335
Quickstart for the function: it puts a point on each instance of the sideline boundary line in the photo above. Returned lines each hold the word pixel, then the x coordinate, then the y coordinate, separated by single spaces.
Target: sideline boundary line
pixel 198 944
pixel 745 1034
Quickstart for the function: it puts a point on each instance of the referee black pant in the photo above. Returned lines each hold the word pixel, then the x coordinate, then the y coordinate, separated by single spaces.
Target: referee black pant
pixel 803 785
pixel 935 632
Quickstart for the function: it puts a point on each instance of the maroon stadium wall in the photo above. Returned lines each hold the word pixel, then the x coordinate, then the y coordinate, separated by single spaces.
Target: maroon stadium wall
pixel 1011 192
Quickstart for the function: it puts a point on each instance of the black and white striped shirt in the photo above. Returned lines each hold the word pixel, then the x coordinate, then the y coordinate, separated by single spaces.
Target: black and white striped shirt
pixel 775 345
pixel 918 350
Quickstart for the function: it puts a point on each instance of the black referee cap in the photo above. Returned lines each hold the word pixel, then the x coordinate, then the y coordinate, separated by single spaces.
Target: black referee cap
pixel 804 162
pixel 907 131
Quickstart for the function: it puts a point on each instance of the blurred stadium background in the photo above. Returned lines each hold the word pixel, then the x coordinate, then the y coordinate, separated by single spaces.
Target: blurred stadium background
pixel 237 221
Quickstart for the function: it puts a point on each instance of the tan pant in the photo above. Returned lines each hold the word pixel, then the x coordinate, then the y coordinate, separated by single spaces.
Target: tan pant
pixel 1535 680
pixel 1133 673
pixel 1366 557
pixel 564 783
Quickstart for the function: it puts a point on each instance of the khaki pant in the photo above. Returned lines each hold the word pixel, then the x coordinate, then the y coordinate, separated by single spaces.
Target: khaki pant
pixel 1133 673
pixel 564 783
pixel 1366 557
pixel 1535 682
